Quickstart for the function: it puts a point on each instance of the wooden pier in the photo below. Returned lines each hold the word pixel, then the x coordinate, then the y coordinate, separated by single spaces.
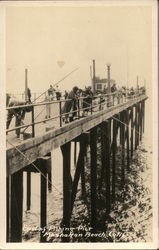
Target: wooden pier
pixel 34 155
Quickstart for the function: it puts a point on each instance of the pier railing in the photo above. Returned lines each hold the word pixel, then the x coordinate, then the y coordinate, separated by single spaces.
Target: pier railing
pixel 97 103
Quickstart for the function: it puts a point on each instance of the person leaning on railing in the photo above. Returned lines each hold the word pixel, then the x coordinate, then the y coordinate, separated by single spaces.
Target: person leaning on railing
pixel 19 113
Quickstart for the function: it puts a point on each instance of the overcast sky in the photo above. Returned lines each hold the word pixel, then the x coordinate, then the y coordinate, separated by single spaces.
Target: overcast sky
pixel 53 41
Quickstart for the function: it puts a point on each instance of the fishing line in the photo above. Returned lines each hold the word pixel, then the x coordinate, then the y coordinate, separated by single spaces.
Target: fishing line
pixel 56 83
pixel 31 163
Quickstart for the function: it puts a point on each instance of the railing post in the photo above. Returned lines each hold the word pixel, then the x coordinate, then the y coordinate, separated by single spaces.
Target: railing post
pixel 91 108
pixel 100 105
pixel 60 111
pixel 78 103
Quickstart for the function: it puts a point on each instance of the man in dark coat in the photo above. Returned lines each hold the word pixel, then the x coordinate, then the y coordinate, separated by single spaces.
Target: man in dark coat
pixel 71 103
pixel 87 101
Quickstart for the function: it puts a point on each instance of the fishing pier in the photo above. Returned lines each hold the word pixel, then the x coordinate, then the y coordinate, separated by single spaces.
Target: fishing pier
pixel 120 120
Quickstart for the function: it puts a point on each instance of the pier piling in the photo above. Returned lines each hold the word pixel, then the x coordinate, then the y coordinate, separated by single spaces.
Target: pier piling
pixel 114 145
pixel 123 148
pixel 127 136
pixel 132 131
pixel 66 152
pixel 93 152
pixel 43 202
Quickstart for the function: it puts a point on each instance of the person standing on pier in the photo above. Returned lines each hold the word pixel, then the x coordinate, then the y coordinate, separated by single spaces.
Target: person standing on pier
pixel 66 95
pixel 19 114
pixel 58 93
pixel 71 103
pixel 87 101
pixel 48 99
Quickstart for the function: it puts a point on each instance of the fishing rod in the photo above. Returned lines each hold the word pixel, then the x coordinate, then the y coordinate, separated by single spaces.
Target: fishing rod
pixel 47 90
pixel 56 83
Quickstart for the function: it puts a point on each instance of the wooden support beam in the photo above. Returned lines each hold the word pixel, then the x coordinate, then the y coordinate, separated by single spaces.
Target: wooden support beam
pixel 66 152
pixel 132 130
pixel 114 158
pixel 28 200
pixel 143 116
pixel 107 167
pixel 141 108
pixel 15 207
pixel 110 127
pixel 136 132
pixel 127 137
pixel 84 148
pixel 75 152
pixel 93 152
pixel 8 206
pixel 123 149
pixel 103 155
pixel 79 171
pixel 49 171
pixel 43 203
pixel 120 128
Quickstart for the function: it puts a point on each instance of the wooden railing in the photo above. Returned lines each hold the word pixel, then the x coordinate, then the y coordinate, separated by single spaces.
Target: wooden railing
pixel 103 101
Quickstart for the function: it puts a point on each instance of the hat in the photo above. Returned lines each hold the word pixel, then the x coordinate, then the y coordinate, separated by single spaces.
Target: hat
pixel 75 89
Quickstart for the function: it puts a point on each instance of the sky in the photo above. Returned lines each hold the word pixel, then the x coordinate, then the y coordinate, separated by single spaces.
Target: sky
pixel 53 41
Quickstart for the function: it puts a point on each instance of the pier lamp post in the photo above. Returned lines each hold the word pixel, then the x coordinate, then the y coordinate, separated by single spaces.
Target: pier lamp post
pixel 108 70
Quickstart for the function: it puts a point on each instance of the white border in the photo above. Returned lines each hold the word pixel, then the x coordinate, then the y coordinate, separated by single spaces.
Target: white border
pixel 154 244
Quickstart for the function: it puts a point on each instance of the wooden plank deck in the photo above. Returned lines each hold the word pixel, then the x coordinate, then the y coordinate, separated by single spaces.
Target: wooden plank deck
pixel 46 141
